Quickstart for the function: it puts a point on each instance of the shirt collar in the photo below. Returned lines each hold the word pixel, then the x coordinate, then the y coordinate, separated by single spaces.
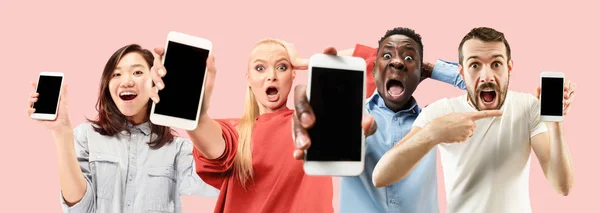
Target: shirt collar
pixel 143 127
pixel 377 101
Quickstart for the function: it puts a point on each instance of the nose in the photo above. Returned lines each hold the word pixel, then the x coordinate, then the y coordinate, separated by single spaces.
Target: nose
pixel 486 75
pixel 397 63
pixel 127 81
pixel 272 75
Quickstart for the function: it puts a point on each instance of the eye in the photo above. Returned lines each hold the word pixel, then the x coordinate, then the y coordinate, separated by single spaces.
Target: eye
pixel 387 55
pixel 138 72
pixel 282 67
pixel 474 65
pixel 259 68
pixel 408 58
pixel 497 64
pixel 114 75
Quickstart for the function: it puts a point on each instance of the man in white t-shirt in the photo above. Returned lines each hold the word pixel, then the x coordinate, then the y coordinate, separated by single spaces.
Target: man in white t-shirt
pixel 485 137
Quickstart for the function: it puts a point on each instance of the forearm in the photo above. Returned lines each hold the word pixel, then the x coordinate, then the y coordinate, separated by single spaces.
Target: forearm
pixel 447 72
pixel 73 184
pixel 399 161
pixel 559 169
pixel 208 137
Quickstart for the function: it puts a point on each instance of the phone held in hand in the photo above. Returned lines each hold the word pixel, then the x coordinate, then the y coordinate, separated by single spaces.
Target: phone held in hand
pixel 181 100
pixel 551 96
pixel 49 87
pixel 336 93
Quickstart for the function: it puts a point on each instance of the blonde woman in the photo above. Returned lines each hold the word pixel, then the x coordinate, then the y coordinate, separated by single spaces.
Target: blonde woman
pixel 250 160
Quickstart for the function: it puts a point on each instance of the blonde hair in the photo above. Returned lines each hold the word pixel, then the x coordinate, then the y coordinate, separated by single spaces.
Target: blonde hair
pixel 243 160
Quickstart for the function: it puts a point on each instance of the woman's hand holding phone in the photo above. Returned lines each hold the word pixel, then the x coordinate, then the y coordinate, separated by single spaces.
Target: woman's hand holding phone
pixel 62 123
pixel 158 71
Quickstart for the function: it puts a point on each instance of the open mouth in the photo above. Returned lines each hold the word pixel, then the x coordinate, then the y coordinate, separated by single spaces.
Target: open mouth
pixel 395 88
pixel 272 94
pixel 127 95
pixel 487 96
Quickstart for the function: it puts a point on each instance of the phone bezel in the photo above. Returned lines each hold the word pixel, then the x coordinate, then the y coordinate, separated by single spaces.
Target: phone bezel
pixel 337 168
pixel 550 118
pixel 175 122
pixel 48 116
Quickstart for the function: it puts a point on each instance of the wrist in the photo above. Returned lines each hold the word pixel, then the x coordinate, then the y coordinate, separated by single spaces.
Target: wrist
pixel 429 137
pixel 62 131
pixel 63 136
pixel 553 126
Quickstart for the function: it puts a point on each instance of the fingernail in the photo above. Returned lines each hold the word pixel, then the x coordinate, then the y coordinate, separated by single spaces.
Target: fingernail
pixel 301 140
pixel 160 86
pixel 305 120
pixel 161 71
pixel 154 100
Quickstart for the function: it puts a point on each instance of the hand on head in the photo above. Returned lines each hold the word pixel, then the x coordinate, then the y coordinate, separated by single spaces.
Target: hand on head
pixel 304 118
pixel 297 62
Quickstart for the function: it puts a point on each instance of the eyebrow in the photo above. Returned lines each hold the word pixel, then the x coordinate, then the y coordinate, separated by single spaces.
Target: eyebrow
pixel 494 56
pixel 132 66
pixel 407 47
pixel 277 61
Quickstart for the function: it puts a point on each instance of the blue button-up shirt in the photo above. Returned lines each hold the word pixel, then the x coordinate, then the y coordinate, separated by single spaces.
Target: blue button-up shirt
pixel 417 193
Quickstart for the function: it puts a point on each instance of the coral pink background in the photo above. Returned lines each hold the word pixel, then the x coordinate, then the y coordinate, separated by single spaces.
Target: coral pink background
pixel 77 37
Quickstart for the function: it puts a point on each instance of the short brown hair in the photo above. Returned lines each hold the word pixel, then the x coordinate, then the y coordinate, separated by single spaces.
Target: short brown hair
pixel 110 121
pixel 484 34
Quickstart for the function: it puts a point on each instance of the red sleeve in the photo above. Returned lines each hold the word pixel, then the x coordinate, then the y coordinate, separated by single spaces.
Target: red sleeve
pixel 214 171
pixel 371 87
pixel 364 52
pixel 369 54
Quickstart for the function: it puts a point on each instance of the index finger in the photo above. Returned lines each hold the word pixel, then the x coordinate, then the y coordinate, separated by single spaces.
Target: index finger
pixel 485 114
pixel 303 109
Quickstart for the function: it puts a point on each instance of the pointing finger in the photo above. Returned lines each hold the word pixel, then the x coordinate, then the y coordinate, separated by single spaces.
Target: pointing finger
pixel 485 114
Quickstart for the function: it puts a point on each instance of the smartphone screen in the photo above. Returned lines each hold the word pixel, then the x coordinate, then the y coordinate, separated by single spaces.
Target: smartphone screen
pixel 186 66
pixel 552 96
pixel 336 97
pixel 48 88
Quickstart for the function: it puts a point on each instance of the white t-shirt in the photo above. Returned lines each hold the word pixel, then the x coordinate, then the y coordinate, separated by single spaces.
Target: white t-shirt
pixel 490 171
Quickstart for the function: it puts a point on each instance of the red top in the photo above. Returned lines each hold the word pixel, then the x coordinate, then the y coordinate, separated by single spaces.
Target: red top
pixel 369 54
pixel 279 183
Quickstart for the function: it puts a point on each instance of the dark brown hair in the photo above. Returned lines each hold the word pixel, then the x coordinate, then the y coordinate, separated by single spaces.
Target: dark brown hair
pixel 110 120
pixel 484 34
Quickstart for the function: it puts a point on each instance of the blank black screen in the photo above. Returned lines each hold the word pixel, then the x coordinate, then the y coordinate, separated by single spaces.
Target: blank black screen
pixel 49 89
pixel 336 97
pixel 552 96
pixel 186 66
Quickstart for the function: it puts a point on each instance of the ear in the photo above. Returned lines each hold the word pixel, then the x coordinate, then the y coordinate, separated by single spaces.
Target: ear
pixel 510 65
pixel 293 74
pixel 247 79
pixel 461 71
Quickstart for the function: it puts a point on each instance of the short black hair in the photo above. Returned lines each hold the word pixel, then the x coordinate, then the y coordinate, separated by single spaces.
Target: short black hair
pixel 406 32
pixel 484 34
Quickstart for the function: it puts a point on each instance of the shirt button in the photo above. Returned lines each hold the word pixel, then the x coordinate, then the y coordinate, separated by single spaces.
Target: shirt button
pixel 166 171
pixel 130 178
pixel 133 136
pixel 395 119
pixel 393 201
pixel 129 203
